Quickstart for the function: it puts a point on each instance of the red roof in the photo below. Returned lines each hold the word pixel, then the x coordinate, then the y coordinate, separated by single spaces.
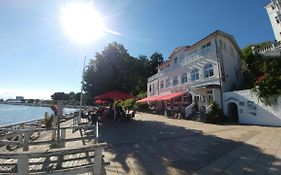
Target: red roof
pixel 161 97
pixel 114 95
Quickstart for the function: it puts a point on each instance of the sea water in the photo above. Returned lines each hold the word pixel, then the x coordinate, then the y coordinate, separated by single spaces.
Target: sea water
pixel 11 114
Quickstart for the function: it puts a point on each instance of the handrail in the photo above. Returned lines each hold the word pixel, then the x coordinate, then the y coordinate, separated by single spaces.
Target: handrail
pixel 25 134
pixel 208 108
pixel 53 152
pixel 23 160
pixel 88 126
pixel 188 109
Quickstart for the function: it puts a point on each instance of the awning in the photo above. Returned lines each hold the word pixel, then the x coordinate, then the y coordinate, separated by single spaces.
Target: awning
pixel 170 96
pixel 148 99
pixel 161 97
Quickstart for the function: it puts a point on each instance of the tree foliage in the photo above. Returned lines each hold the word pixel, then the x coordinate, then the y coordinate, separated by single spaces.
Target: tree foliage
pixel 115 69
pixel 262 73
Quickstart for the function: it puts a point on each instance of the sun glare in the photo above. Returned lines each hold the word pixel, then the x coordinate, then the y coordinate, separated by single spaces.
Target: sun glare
pixel 81 22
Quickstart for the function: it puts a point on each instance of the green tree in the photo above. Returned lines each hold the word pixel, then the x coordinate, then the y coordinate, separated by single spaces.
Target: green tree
pixel 59 96
pixel 155 60
pixel 115 69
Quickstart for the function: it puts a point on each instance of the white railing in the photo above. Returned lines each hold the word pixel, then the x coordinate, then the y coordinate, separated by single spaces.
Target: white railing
pixel 209 108
pixel 269 48
pixel 188 109
pixel 159 74
pixel 197 56
pixel 22 137
pixel 60 161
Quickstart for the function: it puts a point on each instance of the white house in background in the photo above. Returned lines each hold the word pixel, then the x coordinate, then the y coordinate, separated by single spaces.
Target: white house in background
pixel 201 73
pixel 273 9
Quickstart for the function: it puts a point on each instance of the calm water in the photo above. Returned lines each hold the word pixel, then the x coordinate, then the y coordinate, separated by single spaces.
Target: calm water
pixel 10 114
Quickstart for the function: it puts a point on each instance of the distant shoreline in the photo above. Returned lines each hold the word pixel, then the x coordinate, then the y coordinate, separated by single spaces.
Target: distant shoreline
pixel 38 105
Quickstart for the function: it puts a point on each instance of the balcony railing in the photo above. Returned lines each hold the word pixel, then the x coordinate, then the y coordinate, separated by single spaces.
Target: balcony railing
pixel 268 48
pixel 194 57
pixel 186 60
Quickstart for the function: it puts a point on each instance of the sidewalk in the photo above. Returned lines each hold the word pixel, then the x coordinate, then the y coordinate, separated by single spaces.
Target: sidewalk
pixel 153 144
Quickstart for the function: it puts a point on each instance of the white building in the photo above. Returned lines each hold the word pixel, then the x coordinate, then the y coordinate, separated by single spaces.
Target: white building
pixel 273 9
pixel 196 74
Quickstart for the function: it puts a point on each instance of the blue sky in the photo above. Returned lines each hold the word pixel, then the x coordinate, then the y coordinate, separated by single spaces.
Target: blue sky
pixel 38 59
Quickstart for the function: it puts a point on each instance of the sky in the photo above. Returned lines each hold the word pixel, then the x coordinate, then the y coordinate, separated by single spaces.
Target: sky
pixel 37 58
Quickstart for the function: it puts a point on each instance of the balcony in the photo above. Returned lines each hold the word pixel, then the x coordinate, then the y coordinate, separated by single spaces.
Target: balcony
pixel 199 55
pixel 269 50
pixel 156 76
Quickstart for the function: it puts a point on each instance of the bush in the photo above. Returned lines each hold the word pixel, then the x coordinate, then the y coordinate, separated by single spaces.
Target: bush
pixel 48 120
pixel 215 115
pixel 126 104
pixel 142 107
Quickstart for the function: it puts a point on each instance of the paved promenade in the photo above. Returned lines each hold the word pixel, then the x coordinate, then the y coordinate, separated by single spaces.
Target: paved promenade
pixel 155 145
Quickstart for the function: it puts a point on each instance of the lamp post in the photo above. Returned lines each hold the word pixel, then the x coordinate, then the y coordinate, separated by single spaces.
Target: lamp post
pixel 81 95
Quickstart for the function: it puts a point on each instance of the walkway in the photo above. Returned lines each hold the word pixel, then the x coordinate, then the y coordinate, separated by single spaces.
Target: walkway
pixel 153 144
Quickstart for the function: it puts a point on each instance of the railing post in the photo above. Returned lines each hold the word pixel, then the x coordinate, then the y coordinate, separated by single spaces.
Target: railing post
pixel 54 125
pixel 63 135
pixel 97 131
pixel 98 161
pixel 20 135
pixel 23 164
pixel 26 140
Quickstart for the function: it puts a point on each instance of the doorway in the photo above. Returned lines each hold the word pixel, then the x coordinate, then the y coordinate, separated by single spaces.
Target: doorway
pixel 233 112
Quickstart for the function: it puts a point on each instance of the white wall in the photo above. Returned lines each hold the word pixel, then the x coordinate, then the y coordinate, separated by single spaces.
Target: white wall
pixel 231 63
pixel 251 110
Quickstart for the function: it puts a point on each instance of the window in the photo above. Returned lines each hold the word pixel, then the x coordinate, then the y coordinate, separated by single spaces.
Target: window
pixel 168 82
pixel 162 84
pixel 150 88
pixel 210 97
pixel 183 78
pixel 168 66
pixel 176 60
pixel 221 44
pixel 194 75
pixel 208 44
pixel 175 81
pixel 208 71
pixel 277 19
pixel 161 69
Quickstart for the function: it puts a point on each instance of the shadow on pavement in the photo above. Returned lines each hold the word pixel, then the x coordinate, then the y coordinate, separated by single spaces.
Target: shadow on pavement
pixel 152 147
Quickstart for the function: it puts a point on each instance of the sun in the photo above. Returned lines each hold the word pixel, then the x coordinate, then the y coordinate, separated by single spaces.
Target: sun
pixel 81 22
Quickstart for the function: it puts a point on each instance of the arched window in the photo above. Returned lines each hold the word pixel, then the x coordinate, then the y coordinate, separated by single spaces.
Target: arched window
pixel 183 78
pixel 194 75
pixel 208 71
pixel 168 82
pixel 175 81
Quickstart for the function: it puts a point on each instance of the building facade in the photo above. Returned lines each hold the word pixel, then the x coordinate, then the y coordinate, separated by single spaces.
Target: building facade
pixel 196 74
pixel 274 49
pixel 273 9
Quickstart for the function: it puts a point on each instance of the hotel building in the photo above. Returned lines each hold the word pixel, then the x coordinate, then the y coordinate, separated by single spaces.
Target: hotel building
pixel 196 74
